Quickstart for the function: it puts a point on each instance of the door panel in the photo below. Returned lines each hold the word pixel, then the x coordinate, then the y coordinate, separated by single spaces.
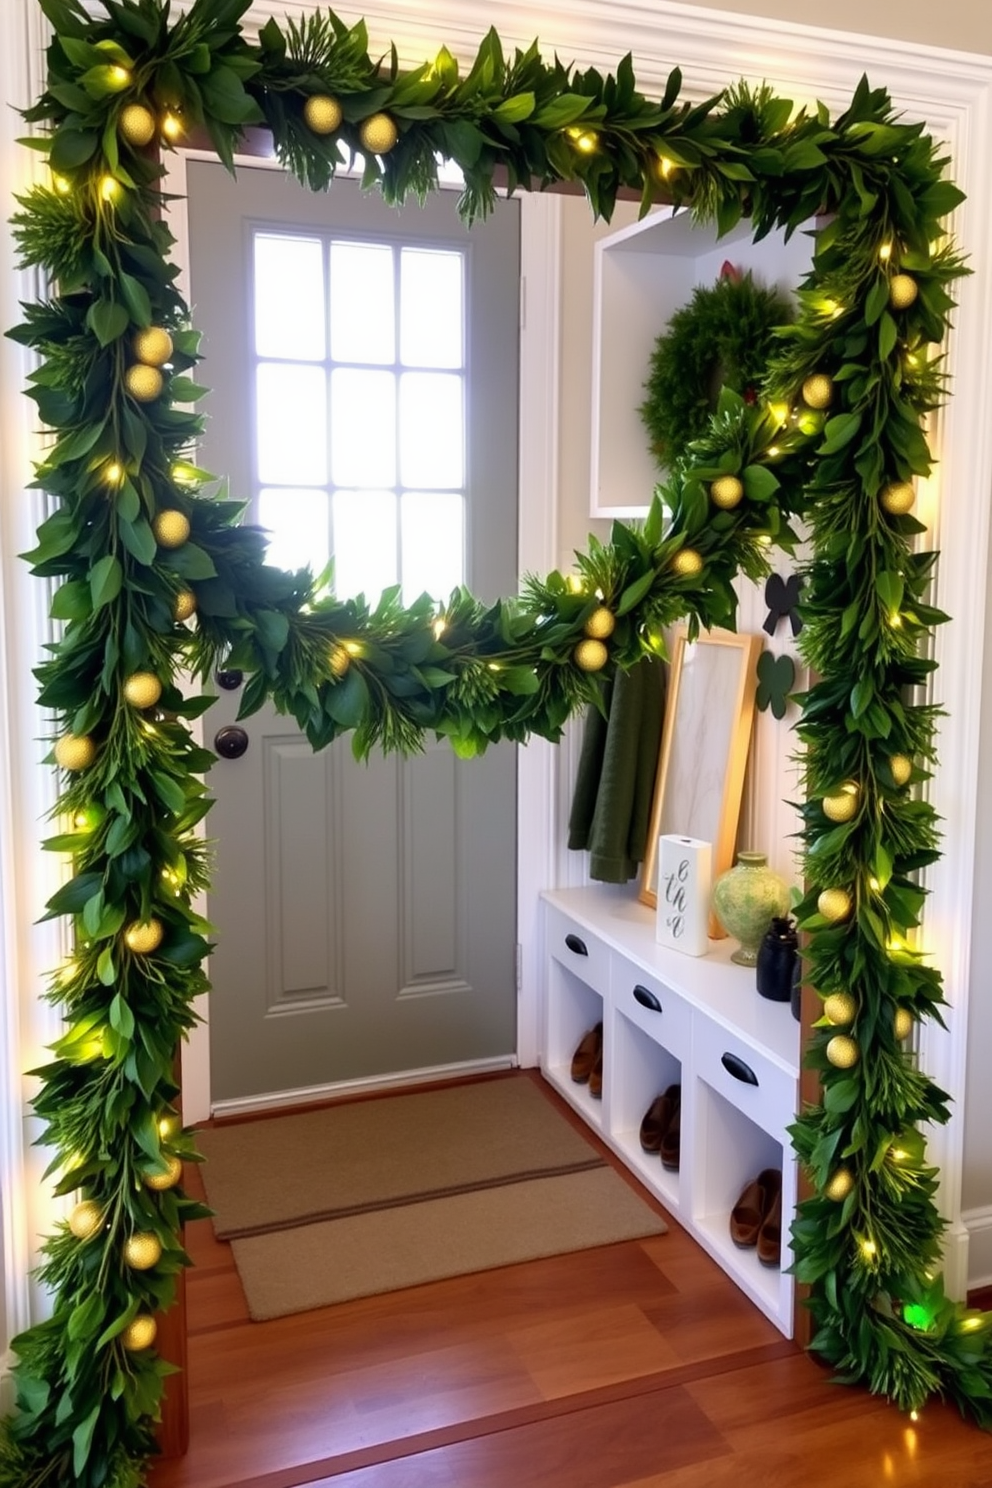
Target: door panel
pixel 365 912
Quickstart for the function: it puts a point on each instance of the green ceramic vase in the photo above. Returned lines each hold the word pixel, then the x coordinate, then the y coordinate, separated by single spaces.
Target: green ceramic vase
pixel 746 899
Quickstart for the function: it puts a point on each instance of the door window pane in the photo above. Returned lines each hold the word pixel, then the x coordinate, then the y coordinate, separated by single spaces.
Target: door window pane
pixel 431 294
pixel 292 425
pixel 431 430
pixel 432 532
pixel 297 523
pixel 289 297
pixel 363 427
pixel 365 560
pixel 363 295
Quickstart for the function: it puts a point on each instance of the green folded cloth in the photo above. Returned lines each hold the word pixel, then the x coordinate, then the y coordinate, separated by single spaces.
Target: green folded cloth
pixel 618 762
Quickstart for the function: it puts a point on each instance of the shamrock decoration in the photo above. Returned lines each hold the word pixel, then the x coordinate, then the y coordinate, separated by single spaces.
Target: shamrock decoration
pixel 782 597
pixel 776 675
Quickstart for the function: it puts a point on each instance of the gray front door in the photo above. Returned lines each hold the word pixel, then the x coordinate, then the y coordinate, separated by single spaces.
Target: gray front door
pixel 365 913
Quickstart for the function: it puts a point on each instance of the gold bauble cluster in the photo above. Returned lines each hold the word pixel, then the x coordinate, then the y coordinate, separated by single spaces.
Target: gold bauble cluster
pixel 842 1051
pixel 840 1007
pixel 834 905
pixel 687 563
pixel 75 752
pixel 378 134
pixel 142 1250
pixel 144 936
pixel 903 290
pixel 142 690
pixel 842 807
pixel 143 382
pixel 897 499
pixel 153 346
pixel 86 1219
pixel 839 1184
pixel 600 625
pixel 161 1181
pixel 322 114
pixel 136 124
pixel 727 492
pixel 140 1334
pixel 902 768
pixel 171 528
pixel 590 655
pixel 184 605
pixel 818 391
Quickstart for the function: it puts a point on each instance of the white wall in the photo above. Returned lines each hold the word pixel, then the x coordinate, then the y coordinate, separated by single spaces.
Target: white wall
pixel 963 24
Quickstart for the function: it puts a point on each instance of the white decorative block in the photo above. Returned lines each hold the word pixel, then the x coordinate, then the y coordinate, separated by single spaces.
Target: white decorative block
pixel 684 875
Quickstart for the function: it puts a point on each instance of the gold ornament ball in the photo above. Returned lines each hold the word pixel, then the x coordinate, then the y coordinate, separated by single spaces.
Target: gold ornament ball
pixel 141 1333
pixel 378 134
pixel 839 1185
pixel 339 661
pixel 897 499
pixel 841 808
pixel 591 655
pixel 75 752
pixel 903 290
pixel 86 1219
pixel 142 690
pixel 601 624
pixel 144 383
pixel 161 1181
pixel 818 391
pixel 840 1007
pixel 687 563
pixel 137 124
pixel 727 492
pixel 902 768
pixel 184 605
pixel 322 114
pixel 144 936
pixel 142 1251
pixel 153 346
pixel 842 1051
pixel 834 904
pixel 902 1023
pixel 171 528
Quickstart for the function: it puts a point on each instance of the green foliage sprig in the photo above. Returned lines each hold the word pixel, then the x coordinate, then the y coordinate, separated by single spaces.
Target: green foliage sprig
pixel 156 575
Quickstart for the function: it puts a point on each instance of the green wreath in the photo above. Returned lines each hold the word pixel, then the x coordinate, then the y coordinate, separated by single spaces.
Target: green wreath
pixel 722 338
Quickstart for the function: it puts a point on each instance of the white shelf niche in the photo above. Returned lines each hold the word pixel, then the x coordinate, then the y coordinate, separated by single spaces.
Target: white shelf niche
pixel 642 274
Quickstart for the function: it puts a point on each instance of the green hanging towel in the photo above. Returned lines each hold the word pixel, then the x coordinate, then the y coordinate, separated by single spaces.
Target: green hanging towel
pixel 614 785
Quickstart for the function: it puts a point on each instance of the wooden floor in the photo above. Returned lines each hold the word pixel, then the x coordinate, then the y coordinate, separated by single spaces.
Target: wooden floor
pixel 637 1365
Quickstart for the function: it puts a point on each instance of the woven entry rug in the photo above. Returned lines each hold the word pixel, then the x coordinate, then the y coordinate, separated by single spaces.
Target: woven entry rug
pixel 371 1196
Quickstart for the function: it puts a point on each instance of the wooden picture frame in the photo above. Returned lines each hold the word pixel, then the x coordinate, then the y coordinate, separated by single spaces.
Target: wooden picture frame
pixel 704 747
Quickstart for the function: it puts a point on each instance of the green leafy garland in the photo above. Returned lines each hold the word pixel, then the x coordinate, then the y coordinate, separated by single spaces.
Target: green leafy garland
pixel 155 573
pixel 723 337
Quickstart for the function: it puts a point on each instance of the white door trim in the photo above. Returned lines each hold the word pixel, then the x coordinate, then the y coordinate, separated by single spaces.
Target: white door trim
pixel 952 91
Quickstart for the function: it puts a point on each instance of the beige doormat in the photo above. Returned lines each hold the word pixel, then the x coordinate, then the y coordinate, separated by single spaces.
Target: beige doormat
pixel 374 1195
pixel 272 1173
pixel 337 1260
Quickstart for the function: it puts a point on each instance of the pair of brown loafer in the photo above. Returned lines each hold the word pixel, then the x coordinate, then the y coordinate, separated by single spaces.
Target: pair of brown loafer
pixel 661 1129
pixel 756 1218
pixel 587 1061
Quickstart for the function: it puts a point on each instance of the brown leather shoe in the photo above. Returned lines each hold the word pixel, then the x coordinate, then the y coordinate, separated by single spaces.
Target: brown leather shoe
pixel 770 1234
pixel 658 1117
pixel 671 1141
pixel 590 1048
pixel 596 1076
pixel 748 1213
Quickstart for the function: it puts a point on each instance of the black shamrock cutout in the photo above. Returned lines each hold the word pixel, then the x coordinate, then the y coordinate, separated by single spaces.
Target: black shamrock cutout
pixel 776 674
pixel 782 597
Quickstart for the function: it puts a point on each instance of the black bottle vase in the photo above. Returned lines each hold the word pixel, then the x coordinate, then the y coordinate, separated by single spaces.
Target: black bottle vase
pixel 778 961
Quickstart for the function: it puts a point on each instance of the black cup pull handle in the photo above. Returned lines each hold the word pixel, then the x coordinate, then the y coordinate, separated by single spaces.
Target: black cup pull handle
pixel 646 998
pixel 738 1069
pixel 231 742
pixel 575 944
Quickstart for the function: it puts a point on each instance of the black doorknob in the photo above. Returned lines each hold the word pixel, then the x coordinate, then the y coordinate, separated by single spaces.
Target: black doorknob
pixel 229 680
pixel 231 742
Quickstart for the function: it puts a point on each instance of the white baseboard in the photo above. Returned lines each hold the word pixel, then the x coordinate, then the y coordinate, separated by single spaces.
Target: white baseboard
pixel 310 1094
pixel 978 1223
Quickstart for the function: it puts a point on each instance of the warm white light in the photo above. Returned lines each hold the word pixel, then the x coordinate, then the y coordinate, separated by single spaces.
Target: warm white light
pixel 171 127
pixel 914 1415
pixel 109 188
pixel 574 583
pixel 113 473
pixel 764 539
pixel 62 186
pixel 439 627
pixel 665 166
pixel 895 620
pixel 898 1154
pixel 118 77
pixel 874 884
pixel 773 450
pixel 868 1249
pixel 354 648
pixel 780 413
pixel 885 252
